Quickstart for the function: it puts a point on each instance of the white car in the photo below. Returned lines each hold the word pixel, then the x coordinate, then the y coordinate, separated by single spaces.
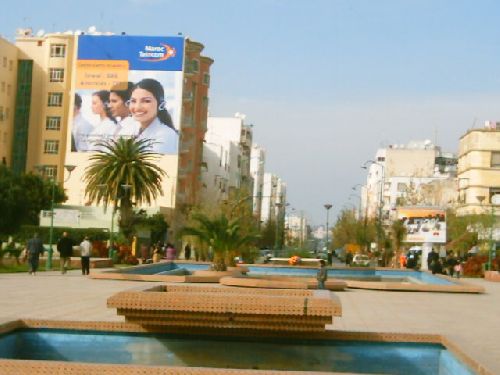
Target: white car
pixel 360 260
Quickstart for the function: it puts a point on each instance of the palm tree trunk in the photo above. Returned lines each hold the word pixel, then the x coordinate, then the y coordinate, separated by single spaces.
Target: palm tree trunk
pixel 219 262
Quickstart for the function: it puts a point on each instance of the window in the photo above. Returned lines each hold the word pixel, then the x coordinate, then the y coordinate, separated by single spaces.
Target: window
pixel 205 101
pixel 56 75
pixel 195 65
pixel 57 50
pixel 50 171
pixel 1 114
pixel 401 187
pixel 55 99
pixel 3 86
pixel 51 147
pixel 495 159
pixel 206 79
pixel 11 65
pixel 53 123
pixel 7 113
pixel 9 88
pixel 5 62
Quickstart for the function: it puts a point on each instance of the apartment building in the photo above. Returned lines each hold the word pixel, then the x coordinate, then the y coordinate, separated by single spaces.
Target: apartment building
pixel 417 173
pixel 51 68
pixel 257 164
pixel 8 89
pixel 227 146
pixel 45 68
pixel 273 198
pixel 479 170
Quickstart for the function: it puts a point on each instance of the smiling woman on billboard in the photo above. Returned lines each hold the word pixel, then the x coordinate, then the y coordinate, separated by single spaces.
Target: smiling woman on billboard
pixel 153 122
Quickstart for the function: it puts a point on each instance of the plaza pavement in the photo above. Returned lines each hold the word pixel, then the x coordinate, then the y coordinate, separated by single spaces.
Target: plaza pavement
pixel 470 320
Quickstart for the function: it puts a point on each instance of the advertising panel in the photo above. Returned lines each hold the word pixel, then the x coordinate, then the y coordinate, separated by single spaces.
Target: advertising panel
pixel 128 86
pixel 423 224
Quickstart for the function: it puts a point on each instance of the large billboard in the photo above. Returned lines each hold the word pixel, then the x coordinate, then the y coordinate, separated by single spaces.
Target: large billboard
pixel 128 86
pixel 423 224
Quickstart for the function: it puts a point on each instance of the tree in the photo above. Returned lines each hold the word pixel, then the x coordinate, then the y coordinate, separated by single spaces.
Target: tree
pixel 222 234
pixel 23 197
pixel 124 173
pixel 398 234
pixel 350 230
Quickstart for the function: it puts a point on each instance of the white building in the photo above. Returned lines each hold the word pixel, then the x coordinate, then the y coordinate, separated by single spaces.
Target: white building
pixel 418 173
pixel 226 156
pixel 296 226
pixel 257 163
pixel 273 197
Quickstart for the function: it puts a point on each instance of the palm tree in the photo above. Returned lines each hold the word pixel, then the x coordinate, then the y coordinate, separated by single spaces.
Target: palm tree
pixel 123 173
pixel 223 235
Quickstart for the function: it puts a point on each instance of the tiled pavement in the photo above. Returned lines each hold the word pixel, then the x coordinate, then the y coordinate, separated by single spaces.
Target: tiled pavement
pixel 470 320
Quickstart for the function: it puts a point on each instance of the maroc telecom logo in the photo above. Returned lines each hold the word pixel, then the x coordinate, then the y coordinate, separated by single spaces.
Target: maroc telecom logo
pixel 157 53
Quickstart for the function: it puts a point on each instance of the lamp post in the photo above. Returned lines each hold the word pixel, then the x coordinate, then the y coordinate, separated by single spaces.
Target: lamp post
pixel 327 206
pixel 42 169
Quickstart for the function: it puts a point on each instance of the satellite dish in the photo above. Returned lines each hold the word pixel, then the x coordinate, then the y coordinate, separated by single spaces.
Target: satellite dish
pixel 40 33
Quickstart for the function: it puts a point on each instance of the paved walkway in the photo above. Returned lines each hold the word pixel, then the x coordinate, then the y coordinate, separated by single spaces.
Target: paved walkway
pixel 468 319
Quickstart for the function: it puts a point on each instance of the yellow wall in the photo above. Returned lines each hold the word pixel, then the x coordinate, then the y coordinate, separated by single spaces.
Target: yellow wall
pixel 38 50
pixel 475 174
pixel 8 78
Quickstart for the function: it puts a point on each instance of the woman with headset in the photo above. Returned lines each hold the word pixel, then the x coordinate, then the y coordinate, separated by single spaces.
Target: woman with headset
pixel 153 122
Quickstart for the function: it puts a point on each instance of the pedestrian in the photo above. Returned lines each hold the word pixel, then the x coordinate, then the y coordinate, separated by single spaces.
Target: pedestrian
pixel 322 274
pixel 458 268
pixel 85 251
pixel 171 252
pixel 65 248
pixel 329 256
pixel 33 250
pixel 187 252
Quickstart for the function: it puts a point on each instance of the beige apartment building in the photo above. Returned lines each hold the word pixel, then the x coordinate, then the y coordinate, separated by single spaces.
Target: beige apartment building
pixel 479 171
pixel 44 68
pixel 8 89
pixel 41 131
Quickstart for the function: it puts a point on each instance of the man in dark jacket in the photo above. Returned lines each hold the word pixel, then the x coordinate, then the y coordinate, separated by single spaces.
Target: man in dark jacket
pixel 33 250
pixel 65 248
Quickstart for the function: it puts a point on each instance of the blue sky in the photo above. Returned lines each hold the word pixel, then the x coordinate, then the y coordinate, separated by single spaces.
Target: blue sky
pixel 325 82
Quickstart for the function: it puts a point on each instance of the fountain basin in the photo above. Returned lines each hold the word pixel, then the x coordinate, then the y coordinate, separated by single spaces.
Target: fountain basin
pixel 32 346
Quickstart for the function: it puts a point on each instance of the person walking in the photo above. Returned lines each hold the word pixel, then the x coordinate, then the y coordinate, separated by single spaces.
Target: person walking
pixel 322 274
pixel 85 251
pixel 171 252
pixel 187 252
pixel 33 250
pixel 65 248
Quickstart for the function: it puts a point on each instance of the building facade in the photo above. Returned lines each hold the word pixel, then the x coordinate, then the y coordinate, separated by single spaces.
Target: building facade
pixel 418 173
pixel 44 74
pixel 8 90
pixel 479 171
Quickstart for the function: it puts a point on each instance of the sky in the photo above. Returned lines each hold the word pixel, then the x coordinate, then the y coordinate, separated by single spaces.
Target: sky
pixel 324 82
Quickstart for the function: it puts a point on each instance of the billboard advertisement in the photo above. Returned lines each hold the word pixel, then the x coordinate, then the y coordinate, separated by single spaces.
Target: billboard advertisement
pixel 128 86
pixel 423 224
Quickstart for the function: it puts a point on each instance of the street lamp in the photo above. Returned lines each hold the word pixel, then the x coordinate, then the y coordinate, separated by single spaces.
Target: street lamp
pixel 327 206
pixel 42 169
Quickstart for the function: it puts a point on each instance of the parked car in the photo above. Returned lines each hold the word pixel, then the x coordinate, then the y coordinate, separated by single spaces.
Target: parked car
pixel 360 260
